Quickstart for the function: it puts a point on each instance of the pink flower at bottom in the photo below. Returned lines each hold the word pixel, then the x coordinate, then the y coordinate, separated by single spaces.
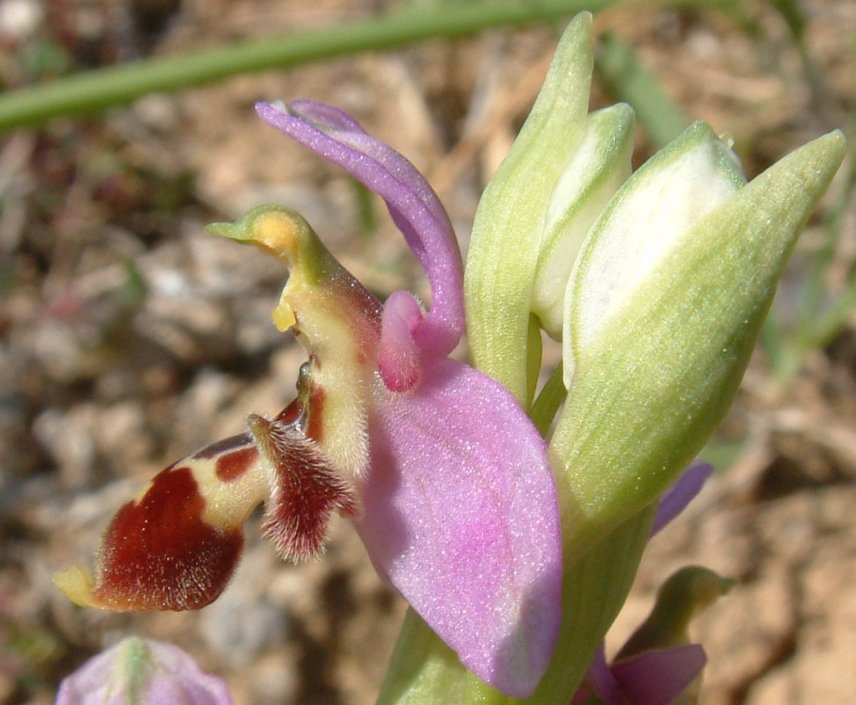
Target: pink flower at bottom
pixel 142 672
pixel 658 665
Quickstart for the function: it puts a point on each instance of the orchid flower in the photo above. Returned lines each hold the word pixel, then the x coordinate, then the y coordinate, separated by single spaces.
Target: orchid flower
pixel 142 672
pixel 656 282
pixel 658 664
pixel 444 475
pixel 655 677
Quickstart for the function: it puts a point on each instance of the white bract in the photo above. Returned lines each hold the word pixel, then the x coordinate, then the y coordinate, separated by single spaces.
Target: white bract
pixel 646 220
pixel 597 168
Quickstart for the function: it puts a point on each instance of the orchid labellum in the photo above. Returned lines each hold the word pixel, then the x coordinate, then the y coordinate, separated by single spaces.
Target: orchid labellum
pixel 443 474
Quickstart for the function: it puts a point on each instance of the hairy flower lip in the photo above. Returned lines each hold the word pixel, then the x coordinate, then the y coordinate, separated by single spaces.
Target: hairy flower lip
pixel 162 551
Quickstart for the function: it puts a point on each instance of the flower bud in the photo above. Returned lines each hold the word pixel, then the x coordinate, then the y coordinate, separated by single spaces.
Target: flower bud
pixel 599 166
pixel 683 596
pixel 645 221
pixel 507 231
pixel 663 310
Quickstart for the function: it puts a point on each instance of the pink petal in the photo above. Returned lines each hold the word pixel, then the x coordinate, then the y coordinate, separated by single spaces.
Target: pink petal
pixel 461 515
pixel 599 682
pixel 399 358
pixel 658 677
pixel 412 203
pixel 680 494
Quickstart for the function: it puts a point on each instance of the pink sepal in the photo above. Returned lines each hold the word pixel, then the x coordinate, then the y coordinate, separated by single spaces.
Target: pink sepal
pixel 461 516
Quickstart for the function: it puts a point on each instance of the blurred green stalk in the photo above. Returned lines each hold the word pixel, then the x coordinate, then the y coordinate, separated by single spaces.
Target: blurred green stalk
pixel 116 85
pixel 822 314
pixel 631 81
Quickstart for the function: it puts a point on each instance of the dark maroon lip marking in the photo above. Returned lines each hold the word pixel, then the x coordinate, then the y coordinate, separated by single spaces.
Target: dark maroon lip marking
pixel 158 553
pixel 317 397
pixel 231 466
pixel 291 414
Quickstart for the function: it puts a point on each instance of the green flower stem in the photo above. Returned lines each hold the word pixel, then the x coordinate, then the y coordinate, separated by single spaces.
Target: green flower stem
pixel 595 588
pixel 424 671
pixel 547 403
pixel 96 90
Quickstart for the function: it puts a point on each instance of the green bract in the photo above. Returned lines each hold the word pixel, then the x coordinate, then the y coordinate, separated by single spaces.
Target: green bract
pixel 666 302
pixel 507 232
pixel 649 217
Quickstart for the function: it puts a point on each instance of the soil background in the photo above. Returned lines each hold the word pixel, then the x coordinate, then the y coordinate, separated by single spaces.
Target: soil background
pixel 129 338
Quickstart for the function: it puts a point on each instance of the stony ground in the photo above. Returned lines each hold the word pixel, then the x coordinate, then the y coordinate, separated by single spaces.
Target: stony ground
pixel 130 337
